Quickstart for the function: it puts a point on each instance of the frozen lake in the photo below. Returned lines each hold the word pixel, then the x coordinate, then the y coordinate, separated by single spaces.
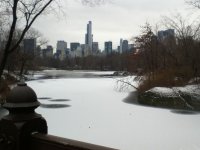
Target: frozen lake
pixel 92 110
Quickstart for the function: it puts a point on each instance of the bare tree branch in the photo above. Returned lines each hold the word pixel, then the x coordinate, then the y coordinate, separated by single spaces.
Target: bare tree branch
pixel 125 83
pixel 28 25
pixel 194 3
pixel 13 26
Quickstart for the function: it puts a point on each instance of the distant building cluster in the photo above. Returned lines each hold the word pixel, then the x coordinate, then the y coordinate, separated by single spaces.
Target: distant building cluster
pixel 90 47
pixel 77 49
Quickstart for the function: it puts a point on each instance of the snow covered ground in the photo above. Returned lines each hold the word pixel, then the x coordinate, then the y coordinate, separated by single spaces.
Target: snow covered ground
pixel 93 110
pixel 171 92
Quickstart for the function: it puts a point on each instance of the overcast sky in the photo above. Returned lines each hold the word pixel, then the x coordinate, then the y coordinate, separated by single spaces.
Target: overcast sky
pixel 111 21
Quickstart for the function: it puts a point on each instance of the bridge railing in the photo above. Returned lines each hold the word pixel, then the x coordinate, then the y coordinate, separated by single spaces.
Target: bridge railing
pixel 50 142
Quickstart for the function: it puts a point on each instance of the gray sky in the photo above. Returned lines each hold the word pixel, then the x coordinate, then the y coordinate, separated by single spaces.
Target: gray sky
pixel 111 21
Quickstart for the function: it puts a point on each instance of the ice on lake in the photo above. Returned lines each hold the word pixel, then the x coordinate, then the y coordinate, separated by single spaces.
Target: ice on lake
pixel 94 111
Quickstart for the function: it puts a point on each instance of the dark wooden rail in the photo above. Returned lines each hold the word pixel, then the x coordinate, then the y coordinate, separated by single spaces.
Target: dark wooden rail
pixel 50 142
pixel 23 129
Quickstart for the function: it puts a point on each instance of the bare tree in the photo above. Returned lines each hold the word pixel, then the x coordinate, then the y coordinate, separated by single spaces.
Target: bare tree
pixel 188 37
pixel 23 13
pixel 26 58
pixel 148 45
pixel 194 3
pixel 184 27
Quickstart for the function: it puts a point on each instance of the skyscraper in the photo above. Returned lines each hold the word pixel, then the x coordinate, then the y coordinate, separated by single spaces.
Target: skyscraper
pixel 95 47
pixel 61 46
pixel 74 46
pixel 108 47
pixel 162 35
pixel 61 49
pixel 131 47
pixel 120 47
pixel 47 52
pixel 124 46
pixel 0 42
pixel 30 46
pixel 89 36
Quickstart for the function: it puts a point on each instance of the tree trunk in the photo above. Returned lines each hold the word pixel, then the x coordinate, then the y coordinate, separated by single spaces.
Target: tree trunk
pixel 3 64
pixel 22 69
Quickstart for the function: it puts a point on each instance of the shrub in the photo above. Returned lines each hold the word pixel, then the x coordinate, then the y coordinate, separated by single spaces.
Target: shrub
pixel 170 77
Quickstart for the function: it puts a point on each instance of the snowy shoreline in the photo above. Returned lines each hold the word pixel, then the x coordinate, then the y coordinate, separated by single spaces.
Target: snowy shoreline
pixel 187 97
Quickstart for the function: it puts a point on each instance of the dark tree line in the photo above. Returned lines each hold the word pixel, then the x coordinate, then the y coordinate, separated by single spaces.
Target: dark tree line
pixel 114 61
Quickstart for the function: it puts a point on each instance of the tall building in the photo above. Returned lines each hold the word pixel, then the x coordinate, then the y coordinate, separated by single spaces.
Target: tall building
pixel 164 34
pixel 30 46
pixel 74 46
pixel 48 52
pixel 131 47
pixel 77 53
pixel 108 47
pixel 85 50
pixel 120 47
pixel 0 43
pixel 125 47
pixel 61 46
pixel 39 52
pixel 88 35
pixel 61 49
pixel 95 47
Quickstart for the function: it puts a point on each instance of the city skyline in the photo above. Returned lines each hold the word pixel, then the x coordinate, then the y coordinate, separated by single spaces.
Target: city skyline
pixel 111 21
pixel 89 48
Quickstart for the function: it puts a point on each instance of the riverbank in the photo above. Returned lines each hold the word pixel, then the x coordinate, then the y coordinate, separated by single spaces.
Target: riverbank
pixel 186 98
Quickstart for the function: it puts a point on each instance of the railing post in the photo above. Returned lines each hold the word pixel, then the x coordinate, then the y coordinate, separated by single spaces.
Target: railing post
pixel 16 128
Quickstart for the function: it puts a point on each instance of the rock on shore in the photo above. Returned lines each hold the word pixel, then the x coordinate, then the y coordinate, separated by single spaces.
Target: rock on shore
pixel 187 97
